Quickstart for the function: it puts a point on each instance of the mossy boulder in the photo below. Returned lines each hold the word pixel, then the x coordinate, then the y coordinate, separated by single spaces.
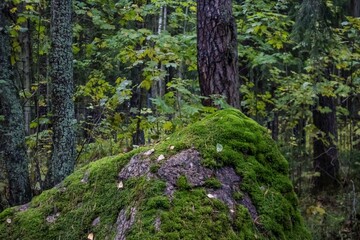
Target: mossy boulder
pixel 220 178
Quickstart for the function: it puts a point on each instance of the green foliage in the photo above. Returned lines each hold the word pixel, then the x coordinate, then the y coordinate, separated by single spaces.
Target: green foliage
pixel 290 53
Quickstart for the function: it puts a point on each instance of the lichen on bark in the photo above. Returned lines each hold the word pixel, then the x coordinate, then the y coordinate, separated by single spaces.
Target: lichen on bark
pixel 12 131
pixel 63 116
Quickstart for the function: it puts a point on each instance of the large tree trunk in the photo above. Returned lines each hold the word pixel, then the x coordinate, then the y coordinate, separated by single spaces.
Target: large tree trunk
pixel 217 51
pixel 61 74
pixel 326 160
pixel 12 132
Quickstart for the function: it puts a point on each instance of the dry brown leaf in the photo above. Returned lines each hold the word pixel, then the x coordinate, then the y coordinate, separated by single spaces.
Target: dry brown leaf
pixel 90 236
pixel 120 185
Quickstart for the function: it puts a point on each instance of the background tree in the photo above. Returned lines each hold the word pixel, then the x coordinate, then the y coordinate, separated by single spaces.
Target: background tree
pixel 217 51
pixel 12 132
pixel 355 8
pixel 63 120
pixel 313 29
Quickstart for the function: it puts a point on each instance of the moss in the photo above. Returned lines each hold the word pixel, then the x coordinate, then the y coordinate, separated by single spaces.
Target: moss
pixel 154 168
pixel 189 213
pixel 238 196
pixel 213 183
pixel 182 183
pixel 243 224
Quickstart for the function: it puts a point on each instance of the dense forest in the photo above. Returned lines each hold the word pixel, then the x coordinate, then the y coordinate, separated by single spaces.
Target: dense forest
pixel 81 80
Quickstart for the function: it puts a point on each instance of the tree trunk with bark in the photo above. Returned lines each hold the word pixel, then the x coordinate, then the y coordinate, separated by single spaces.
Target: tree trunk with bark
pixel 355 8
pixel 217 51
pixel 12 131
pixel 63 156
pixel 326 160
pixel 24 67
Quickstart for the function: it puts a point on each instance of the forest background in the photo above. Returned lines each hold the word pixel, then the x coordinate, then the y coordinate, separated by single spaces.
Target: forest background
pixel 136 81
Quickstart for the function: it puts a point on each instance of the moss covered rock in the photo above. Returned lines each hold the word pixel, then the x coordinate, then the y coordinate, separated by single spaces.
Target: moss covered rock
pixel 220 178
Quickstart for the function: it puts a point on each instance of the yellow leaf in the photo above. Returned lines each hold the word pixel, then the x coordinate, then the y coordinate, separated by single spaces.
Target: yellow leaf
pixel 29 8
pixel 21 20
pixel 193 8
pixel 168 126
pixel 75 49
pixel 146 84
pixel 12 60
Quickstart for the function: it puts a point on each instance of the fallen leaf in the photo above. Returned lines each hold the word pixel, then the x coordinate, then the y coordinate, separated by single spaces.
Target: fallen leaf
pixel 90 236
pixel 161 157
pixel 211 196
pixel 219 147
pixel 148 153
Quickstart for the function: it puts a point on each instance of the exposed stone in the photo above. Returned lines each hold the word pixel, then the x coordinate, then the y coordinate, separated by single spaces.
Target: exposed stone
pixel 157 223
pixel 96 221
pixel 85 179
pixel 246 201
pixel 188 163
pixel 185 163
pixel 124 223
pixel 138 166
pixel 52 218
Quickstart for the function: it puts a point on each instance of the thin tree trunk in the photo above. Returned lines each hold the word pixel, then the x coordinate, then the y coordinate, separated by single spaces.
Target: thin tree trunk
pixel 25 69
pixel 158 86
pixel 217 51
pixel 63 156
pixel 12 132
pixel 326 160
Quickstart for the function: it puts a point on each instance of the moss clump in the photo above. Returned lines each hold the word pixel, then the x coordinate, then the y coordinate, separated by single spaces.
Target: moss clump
pixel 182 183
pixel 213 183
pixel 186 213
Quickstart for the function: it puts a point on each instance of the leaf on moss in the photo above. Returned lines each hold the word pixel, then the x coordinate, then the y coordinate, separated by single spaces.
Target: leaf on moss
pixel 149 152
pixel 120 185
pixel 210 195
pixel 219 147
pixel 161 157
pixel 90 236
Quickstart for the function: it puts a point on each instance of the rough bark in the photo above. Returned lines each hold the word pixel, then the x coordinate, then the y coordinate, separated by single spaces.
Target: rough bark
pixel 326 160
pixel 61 74
pixel 12 132
pixel 355 8
pixel 217 51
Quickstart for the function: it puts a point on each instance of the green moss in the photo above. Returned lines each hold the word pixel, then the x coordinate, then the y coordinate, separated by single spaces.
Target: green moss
pixel 243 224
pixel 182 183
pixel 189 213
pixel 154 168
pixel 213 183
pixel 238 196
